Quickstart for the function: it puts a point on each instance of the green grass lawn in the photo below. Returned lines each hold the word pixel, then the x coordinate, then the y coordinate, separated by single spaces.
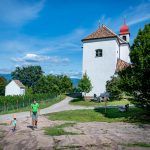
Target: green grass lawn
pixel 82 102
pixel 136 145
pixel 58 130
pixel 43 104
pixel 99 115
pixel 3 124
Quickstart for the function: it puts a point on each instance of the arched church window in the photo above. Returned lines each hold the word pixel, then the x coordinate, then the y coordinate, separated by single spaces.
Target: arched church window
pixel 99 52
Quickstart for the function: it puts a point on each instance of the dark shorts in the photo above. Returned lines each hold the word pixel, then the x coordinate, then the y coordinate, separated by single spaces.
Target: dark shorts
pixel 34 116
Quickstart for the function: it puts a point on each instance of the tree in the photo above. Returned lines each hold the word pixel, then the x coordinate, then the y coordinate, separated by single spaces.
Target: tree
pixel 135 79
pixel 112 87
pixel 55 84
pixel 66 84
pixel 46 84
pixel 28 75
pixel 85 85
pixel 3 83
pixel 29 91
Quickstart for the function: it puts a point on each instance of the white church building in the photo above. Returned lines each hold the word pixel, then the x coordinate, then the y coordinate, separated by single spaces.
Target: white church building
pixel 15 87
pixel 104 54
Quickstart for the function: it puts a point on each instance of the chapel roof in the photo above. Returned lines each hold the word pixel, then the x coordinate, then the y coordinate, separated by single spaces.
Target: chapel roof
pixel 101 32
pixel 19 83
pixel 121 64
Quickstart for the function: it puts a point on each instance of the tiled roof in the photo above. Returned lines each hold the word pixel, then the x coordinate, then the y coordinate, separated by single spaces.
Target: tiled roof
pixel 19 83
pixel 102 32
pixel 121 64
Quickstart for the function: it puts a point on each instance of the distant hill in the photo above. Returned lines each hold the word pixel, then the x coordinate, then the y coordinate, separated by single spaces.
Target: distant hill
pixel 6 76
pixel 75 81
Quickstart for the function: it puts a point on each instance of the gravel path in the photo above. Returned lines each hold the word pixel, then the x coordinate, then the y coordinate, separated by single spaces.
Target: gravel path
pixel 89 136
pixel 61 106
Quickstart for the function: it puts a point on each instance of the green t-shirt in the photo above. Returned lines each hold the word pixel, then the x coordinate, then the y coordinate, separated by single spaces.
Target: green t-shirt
pixel 35 107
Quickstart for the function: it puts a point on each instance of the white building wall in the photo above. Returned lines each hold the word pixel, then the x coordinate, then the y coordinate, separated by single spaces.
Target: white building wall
pixel 12 89
pixel 99 69
pixel 22 91
pixel 124 52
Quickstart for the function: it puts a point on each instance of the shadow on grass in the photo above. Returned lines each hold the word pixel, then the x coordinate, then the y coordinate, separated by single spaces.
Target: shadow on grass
pixel 78 100
pixel 75 95
pixel 134 115
pixel 81 99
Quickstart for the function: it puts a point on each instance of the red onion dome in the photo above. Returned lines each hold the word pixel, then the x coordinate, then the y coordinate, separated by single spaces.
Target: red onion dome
pixel 124 29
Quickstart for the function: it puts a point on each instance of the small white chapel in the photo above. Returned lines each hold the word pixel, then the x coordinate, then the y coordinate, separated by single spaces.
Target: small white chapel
pixel 104 54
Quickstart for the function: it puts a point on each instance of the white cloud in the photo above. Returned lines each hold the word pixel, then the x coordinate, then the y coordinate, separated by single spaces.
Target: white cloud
pixel 133 14
pixel 72 74
pixel 5 70
pixel 34 58
pixel 29 44
pixel 16 12
pixel 27 50
pixel 77 74
pixel 69 41
pixel 138 14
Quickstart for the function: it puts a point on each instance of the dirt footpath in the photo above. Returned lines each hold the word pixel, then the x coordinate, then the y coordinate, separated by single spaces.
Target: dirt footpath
pixel 91 136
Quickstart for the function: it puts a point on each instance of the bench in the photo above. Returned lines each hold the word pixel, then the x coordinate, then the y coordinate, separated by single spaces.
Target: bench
pixel 124 108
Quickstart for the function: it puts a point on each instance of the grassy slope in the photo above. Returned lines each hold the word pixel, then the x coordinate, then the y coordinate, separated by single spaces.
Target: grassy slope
pixel 83 102
pixel 43 104
pixel 112 115
pixel 58 130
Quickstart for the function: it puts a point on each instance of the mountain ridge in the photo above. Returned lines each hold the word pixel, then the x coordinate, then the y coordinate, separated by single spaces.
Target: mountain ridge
pixel 74 80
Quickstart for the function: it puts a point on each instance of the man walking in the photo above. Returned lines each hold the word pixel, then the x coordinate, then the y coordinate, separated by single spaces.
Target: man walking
pixel 34 110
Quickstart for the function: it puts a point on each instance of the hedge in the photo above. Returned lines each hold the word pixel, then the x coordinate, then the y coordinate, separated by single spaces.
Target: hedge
pixel 15 102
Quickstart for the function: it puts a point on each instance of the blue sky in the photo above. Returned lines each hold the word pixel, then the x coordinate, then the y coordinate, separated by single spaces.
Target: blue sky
pixel 49 32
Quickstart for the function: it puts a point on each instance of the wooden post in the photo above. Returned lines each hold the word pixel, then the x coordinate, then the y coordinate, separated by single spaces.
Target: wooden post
pixel 105 107
pixel 105 99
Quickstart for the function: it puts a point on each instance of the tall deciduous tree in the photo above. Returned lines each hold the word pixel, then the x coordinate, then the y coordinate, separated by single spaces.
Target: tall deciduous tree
pixel 28 75
pixel 112 86
pixel 55 84
pixel 136 78
pixel 85 85
pixel 66 84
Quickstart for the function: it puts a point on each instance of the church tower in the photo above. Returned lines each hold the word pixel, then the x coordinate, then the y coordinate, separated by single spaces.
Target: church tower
pixel 124 32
